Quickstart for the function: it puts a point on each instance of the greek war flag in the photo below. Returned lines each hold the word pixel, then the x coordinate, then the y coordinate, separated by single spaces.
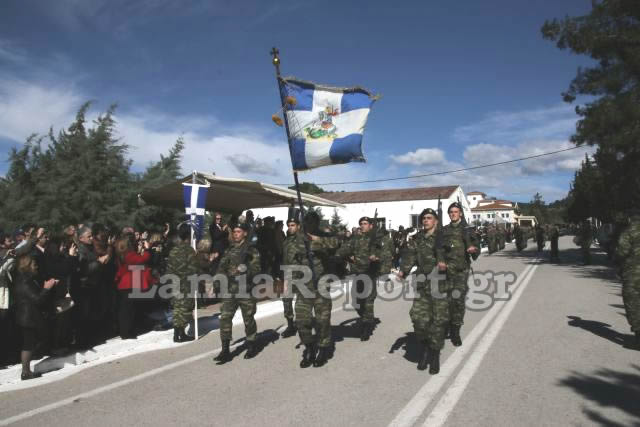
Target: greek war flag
pixel 325 123
pixel 195 198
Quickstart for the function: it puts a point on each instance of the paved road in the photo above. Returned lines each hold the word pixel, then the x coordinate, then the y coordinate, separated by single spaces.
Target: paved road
pixel 552 354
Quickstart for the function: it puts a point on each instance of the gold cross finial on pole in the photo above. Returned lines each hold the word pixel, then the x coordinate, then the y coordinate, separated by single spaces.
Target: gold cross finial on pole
pixel 276 59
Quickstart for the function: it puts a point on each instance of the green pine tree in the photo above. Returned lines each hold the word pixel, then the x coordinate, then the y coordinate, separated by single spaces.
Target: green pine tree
pixel 610 119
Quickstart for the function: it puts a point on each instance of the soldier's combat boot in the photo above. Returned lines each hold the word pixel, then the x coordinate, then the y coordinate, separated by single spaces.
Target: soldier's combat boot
pixel 184 337
pixel 176 334
pixel 637 343
pixel 252 350
pixel 455 335
pixel 425 358
pixel 224 355
pixel 308 356
pixel 434 362
pixel 365 332
pixel 322 357
pixel 291 329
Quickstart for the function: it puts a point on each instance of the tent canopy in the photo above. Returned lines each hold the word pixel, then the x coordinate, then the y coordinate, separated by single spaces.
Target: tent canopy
pixel 231 195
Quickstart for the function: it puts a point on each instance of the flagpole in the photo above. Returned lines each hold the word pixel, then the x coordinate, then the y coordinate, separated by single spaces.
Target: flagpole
pixel 193 245
pixel 276 62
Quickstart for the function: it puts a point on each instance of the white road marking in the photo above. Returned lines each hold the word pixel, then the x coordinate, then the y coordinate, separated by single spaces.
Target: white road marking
pixel 117 384
pixel 105 388
pixel 416 406
pixel 448 401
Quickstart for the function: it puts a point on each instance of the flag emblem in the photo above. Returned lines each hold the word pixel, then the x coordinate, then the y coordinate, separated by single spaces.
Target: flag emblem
pixel 326 124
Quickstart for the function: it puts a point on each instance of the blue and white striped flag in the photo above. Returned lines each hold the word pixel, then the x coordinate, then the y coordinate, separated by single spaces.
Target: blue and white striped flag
pixel 325 123
pixel 195 198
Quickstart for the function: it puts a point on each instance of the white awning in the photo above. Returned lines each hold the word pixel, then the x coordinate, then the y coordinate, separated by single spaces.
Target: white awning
pixel 233 195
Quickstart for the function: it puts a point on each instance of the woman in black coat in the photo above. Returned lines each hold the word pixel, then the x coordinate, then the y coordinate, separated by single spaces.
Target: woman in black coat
pixel 29 297
pixel 60 262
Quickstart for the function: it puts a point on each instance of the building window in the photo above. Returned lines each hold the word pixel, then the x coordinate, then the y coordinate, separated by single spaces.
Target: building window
pixel 506 215
pixel 414 221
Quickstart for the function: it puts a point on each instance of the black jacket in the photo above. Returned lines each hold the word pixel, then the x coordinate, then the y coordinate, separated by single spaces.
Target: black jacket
pixel 29 297
pixel 219 239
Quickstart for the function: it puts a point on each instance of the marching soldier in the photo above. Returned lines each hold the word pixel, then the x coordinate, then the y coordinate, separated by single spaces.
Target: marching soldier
pixel 501 237
pixel 520 238
pixel 459 247
pixel 365 251
pixel 554 235
pixel 628 257
pixel 291 329
pixel 585 238
pixel 183 263
pixel 492 239
pixel 430 311
pixel 540 237
pixel 311 306
pixel 239 264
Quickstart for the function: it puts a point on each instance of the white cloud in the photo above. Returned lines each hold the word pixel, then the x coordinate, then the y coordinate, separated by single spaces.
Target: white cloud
pixel 567 161
pixel 246 164
pixel 517 180
pixel 30 108
pixel 244 151
pixel 420 157
pixel 10 52
pixel 510 128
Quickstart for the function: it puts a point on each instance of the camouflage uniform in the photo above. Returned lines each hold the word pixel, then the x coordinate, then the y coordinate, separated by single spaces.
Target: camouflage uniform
pixel 492 239
pixel 586 238
pixel 540 237
pixel 455 243
pixel 288 308
pixel 628 257
pixel 517 234
pixel 554 235
pixel 183 263
pixel 429 314
pixel 359 247
pixel 308 307
pixel 238 254
pixel 501 238
pixel 386 258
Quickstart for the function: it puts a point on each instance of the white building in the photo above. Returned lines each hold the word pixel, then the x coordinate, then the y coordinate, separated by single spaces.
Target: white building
pixel 397 207
pixel 474 197
pixel 491 210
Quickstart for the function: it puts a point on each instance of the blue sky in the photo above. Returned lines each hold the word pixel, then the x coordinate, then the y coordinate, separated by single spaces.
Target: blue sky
pixel 462 83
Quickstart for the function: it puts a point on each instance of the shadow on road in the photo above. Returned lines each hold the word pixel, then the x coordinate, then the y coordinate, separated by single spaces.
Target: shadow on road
pixel 263 340
pixel 608 389
pixel 350 328
pixel 410 346
pixel 603 330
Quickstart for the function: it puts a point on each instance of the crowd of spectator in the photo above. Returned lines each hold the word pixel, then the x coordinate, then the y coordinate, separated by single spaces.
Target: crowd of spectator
pixel 69 290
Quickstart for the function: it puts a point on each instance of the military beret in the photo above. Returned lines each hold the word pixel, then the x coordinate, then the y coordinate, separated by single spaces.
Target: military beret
pixel 428 211
pixel 365 218
pixel 241 225
pixel 454 205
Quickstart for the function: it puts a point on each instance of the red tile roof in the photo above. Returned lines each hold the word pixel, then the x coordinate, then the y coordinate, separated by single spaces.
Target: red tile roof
pixel 416 193
pixel 492 207
pixel 475 193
